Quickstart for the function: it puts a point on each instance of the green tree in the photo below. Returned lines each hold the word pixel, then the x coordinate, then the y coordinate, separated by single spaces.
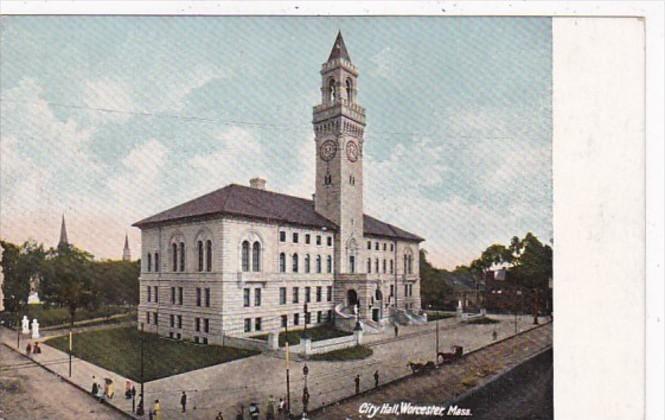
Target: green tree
pixel 20 264
pixel 116 282
pixel 67 279
pixel 533 269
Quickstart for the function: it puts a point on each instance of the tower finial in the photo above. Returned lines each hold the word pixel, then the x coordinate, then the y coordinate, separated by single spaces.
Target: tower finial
pixel 339 49
pixel 63 234
pixel 126 255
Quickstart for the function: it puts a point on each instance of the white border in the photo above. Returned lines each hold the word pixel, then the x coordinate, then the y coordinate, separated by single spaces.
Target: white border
pixel 655 133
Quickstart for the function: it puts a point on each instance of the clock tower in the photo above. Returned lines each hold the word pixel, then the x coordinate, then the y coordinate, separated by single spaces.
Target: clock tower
pixel 339 124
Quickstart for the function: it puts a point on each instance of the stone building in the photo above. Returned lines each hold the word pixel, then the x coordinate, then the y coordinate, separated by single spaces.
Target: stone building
pixel 243 260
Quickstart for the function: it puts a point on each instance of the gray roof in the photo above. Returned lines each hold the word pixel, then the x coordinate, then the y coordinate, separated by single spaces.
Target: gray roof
pixel 339 49
pixel 253 203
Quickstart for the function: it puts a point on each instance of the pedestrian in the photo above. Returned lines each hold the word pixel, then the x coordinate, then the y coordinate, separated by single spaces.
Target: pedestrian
pixel 270 409
pixel 357 381
pixel 396 330
pixel 376 379
pixel 183 401
pixel 157 411
pixel 128 390
pixel 110 390
pixel 494 335
pixel 219 416
pixel 100 393
pixel 95 387
pixel 36 349
pixel 140 411
pixel 253 411
pixel 281 407
pixel 28 349
pixel 241 413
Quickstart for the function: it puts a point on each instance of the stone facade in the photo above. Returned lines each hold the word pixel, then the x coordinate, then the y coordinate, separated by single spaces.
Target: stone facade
pixel 210 269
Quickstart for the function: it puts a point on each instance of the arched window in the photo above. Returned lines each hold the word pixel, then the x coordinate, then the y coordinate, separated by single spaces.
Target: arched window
pixel 384 265
pixel 332 92
pixel 200 254
pixel 349 90
pixel 182 256
pixel 352 263
pixel 174 250
pixel 208 255
pixel 294 265
pixel 406 264
pixel 245 256
pixel 318 263
pixel 307 263
pixel 369 265
pixel 410 264
pixel 157 262
pixel 256 257
pixel 149 263
pixel 330 265
pixel 282 263
pixel 376 265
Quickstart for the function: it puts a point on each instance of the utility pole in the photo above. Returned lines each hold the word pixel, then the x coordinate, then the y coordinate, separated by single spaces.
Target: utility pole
pixel 70 350
pixel 288 384
pixel 142 399
pixel 437 339
pixel 304 334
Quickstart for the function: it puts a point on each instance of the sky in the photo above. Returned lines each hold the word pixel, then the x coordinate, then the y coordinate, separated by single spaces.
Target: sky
pixel 108 120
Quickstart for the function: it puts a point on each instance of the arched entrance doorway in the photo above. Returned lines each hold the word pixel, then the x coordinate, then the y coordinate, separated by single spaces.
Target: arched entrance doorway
pixel 351 298
pixel 377 309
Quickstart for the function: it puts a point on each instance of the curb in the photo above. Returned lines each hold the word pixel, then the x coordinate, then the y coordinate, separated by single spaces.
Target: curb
pixel 62 378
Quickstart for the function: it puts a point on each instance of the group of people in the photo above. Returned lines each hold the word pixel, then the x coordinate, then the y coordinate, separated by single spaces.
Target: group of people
pixel 274 410
pixel 30 349
pixel 103 391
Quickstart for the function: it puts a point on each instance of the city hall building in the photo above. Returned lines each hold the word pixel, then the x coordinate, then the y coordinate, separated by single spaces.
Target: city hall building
pixel 244 260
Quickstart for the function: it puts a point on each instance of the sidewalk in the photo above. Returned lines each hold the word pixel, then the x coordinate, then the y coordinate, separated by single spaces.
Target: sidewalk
pixel 57 362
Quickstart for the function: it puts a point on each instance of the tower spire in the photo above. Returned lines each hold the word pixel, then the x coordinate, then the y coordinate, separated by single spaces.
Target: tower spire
pixel 339 49
pixel 126 255
pixel 63 234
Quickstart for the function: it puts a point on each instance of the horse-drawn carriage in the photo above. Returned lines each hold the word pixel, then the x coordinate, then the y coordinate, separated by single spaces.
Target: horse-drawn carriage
pixel 445 358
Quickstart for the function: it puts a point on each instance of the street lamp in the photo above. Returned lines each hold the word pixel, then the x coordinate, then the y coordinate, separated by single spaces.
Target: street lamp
pixel 305 334
pixel 288 384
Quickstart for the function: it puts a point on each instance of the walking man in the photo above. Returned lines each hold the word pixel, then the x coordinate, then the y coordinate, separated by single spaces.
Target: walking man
pixel 376 379
pixel 396 330
pixel 270 409
pixel 183 401
pixel 95 387
pixel 357 381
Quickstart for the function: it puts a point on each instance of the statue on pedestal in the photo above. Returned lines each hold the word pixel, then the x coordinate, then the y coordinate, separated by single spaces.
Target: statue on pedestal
pixel 25 324
pixel 35 329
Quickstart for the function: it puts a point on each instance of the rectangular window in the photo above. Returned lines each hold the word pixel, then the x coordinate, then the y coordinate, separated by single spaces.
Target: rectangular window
pixel 205 340
pixel 296 319
pixel 392 290
pixel 406 290
pixel 295 237
pixel 171 334
pixel 329 240
pixel 318 239
pixel 245 297
pixel 147 317
pixel 172 320
pixel 149 290
pixel 198 296
pixel 307 238
pixel 329 293
pixel 206 325
pixel 155 316
pixel 352 263
pixel 369 244
pixel 285 321
pixel 180 293
pixel 318 293
pixel 392 247
pixel 308 294
pixel 248 324
pixel 282 236
pixel 308 317
pixel 257 324
pixel 197 323
pixel 391 266
pixel 179 323
pixel 196 340
pixel 376 246
pixel 319 317
pixel 410 290
pixel 369 266
pixel 207 297
pixel 156 294
pixel 295 295
pixel 282 295
pixel 149 263
pixel 157 262
pixel 173 295
pixel 384 265
pixel 384 246
pixel 329 316
pixel 257 297
pixel 178 336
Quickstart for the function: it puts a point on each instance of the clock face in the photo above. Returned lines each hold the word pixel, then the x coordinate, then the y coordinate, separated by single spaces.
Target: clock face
pixel 328 150
pixel 352 151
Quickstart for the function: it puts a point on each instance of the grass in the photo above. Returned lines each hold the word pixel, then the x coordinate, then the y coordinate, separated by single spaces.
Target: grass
pixel 350 353
pixel 119 350
pixel 433 316
pixel 484 321
pixel 321 332
pixel 57 316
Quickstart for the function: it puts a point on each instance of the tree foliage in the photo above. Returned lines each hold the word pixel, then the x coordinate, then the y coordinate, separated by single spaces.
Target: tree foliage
pixel 20 264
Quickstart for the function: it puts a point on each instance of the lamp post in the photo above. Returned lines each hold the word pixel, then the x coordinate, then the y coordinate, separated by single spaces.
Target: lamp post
pixel 142 402
pixel 305 391
pixel 288 384
pixel 18 321
pixel 304 333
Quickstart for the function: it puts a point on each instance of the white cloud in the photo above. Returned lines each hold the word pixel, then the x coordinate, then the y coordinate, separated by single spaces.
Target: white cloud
pixel 107 94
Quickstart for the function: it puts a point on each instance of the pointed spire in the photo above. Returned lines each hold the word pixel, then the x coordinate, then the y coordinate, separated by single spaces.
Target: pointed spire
pixel 339 49
pixel 63 234
pixel 126 255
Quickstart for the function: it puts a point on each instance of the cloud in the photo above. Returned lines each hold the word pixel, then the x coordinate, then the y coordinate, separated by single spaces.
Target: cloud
pixel 109 94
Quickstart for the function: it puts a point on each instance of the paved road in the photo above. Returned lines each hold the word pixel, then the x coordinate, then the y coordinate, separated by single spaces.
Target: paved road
pixel 27 391
pixel 450 381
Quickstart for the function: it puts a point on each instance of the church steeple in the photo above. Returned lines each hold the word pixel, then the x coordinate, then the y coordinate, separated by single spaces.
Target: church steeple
pixel 339 49
pixel 126 255
pixel 63 243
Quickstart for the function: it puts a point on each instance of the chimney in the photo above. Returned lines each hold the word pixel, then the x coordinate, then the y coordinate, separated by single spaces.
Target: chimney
pixel 258 183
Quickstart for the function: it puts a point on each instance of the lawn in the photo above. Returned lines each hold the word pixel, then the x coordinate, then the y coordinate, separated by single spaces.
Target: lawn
pixel 350 353
pixel 433 316
pixel 322 332
pixel 119 350
pixel 484 321
pixel 57 316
